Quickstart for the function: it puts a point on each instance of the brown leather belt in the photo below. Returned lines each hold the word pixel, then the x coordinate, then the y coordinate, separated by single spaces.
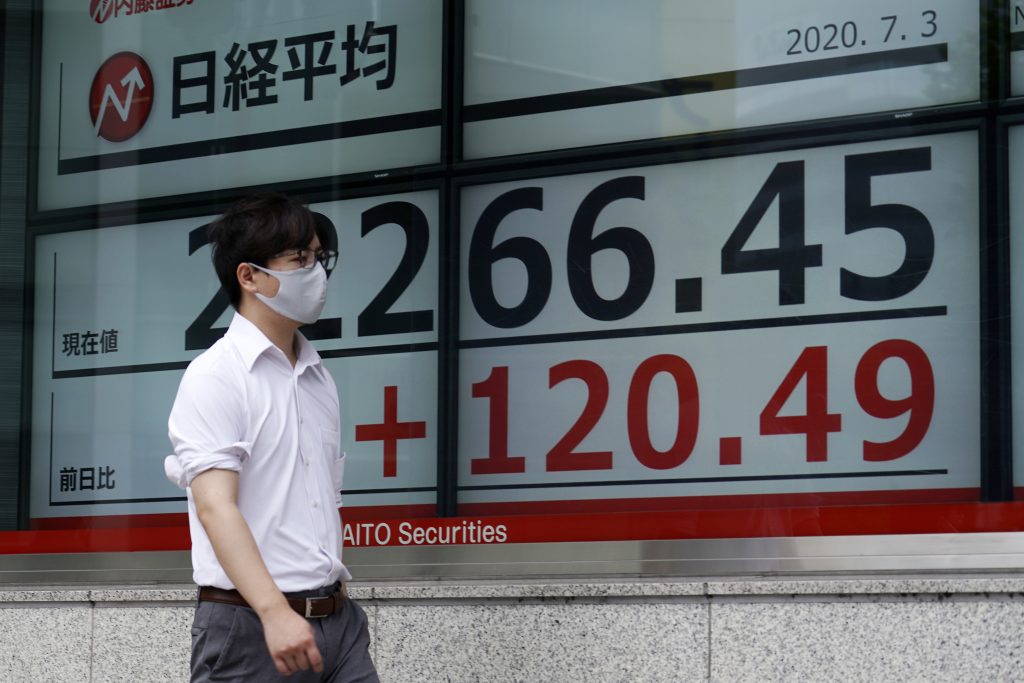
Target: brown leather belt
pixel 307 607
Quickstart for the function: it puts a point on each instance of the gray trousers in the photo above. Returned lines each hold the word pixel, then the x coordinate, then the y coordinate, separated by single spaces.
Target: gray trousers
pixel 228 645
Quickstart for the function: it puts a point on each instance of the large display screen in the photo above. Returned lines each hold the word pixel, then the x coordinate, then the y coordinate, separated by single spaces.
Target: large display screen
pixel 651 69
pixel 777 307
pixel 120 311
pixel 781 323
pixel 141 100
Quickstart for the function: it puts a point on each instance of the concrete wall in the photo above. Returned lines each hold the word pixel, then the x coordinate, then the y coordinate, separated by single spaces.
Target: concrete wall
pixel 927 629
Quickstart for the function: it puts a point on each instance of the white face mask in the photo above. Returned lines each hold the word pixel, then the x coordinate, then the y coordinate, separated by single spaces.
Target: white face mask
pixel 301 294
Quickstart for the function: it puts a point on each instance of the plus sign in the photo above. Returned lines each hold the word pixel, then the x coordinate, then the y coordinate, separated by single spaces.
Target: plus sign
pixel 390 431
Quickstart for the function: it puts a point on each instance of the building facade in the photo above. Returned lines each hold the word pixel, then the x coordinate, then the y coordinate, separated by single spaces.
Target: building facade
pixel 673 339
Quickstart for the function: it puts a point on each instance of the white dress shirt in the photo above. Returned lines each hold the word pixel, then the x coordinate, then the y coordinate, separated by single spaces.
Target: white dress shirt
pixel 241 406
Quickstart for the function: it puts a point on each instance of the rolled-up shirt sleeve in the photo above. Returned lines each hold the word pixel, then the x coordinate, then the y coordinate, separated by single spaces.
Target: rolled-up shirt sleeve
pixel 207 428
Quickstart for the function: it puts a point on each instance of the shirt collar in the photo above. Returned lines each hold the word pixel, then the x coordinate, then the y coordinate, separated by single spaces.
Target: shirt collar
pixel 307 357
pixel 252 343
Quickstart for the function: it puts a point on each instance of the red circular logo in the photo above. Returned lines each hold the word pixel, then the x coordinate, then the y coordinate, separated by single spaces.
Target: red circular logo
pixel 100 10
pixel 121 96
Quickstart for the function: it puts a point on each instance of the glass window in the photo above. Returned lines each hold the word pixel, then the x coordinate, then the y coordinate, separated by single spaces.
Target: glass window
pixel 199 96
pixel 694 333
pixel 652 69
pixel 608 272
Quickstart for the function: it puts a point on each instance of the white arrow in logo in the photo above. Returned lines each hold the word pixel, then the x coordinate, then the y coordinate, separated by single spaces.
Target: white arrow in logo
pixel 131 81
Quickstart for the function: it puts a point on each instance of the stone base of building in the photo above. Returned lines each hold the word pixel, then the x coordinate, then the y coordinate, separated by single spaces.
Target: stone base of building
pixel 962 628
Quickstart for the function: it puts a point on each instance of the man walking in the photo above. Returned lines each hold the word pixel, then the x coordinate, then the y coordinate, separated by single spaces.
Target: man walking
pixel 255 429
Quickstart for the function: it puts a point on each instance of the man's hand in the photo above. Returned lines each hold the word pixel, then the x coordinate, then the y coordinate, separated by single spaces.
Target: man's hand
pixel 290 641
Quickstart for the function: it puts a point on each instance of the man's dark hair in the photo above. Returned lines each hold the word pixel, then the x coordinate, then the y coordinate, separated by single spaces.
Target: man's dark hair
pixel 254 230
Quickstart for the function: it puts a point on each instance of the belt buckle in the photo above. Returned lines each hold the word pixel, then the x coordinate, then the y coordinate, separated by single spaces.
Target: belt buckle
pixel 309 608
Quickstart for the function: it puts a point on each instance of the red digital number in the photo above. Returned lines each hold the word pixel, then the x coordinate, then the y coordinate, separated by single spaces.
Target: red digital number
pixel 817 422
pixel 688 415
pixel 498 461
pixel 562 458
pixel 919 403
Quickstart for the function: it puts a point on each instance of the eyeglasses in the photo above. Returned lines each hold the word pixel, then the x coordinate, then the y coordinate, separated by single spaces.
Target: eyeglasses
pixel 306 258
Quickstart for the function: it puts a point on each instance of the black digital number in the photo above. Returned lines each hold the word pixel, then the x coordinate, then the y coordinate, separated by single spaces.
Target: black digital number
pixel 202 334
pixel 631 242
pixel 793 256
pixel 892 24
pixel 849 39
pixel 785 187
pixel 930 17
pixel 483 254
pixel 912 225
pixel 811 38
pixel 376 318
pixel 793 49
pixel 830 41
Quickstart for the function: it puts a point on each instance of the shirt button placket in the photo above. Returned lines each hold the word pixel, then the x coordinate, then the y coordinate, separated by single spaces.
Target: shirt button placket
pixel 298 416
pixel 305 458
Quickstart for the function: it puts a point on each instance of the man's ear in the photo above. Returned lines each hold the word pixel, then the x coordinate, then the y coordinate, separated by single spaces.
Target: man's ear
pixel 246 274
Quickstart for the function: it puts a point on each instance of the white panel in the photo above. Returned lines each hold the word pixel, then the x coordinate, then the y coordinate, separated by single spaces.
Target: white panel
pixel 535 70
pixel 112 308
pixel 740 333
pixel 205 131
